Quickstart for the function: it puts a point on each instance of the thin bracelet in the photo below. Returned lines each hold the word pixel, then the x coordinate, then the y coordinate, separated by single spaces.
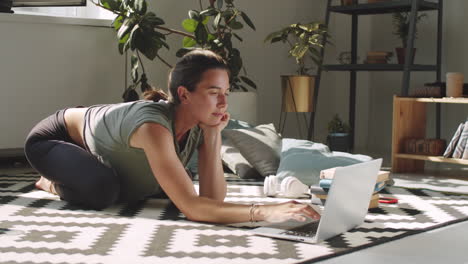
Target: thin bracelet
pixel 251 213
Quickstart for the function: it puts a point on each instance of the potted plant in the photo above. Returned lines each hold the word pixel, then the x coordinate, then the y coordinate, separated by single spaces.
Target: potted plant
pixel 305 41
pixel 338 138
pixel 401 23
pixel 143 33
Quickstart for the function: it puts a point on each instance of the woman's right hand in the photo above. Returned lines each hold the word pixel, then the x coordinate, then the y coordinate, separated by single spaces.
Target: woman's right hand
pixel 276 213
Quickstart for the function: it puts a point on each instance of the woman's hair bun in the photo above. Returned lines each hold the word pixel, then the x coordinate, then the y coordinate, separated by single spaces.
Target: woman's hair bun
pixel 155 95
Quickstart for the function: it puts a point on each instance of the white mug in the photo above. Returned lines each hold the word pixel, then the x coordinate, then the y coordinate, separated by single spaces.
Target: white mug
pixel 454 87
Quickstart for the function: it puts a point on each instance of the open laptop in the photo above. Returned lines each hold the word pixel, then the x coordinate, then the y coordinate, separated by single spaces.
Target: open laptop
pixel 345 208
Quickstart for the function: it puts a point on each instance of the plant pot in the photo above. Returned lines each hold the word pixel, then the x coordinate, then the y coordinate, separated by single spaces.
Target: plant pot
pixel 338 142
pixel 243 106
pixel 297 93
pixel 401 53
pixel 5 6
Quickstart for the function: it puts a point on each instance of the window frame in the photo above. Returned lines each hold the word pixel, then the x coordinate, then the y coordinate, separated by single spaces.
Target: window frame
pixel 46 3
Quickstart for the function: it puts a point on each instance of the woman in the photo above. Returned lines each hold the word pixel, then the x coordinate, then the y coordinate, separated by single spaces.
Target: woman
pixel 101 154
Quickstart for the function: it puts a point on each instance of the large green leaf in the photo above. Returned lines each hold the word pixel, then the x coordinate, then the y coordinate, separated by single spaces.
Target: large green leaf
pixel 130 94
pixel 127 25
pixel 181 52
pixel 236 25
pixel 237 37
pixel 134 75
pixel 201 34
pixel 247 20
pixel 117 23
pixel 140 6
pixel 152 19
pixel 248 81
pixel 134 35
pixel 217 20
pixel 194 14
pixel 190 25
pixel 147 45
pixel 110 5
pixel 188 42
pixel 209 12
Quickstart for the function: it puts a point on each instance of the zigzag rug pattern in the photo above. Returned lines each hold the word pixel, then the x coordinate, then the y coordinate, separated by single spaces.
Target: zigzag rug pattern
pixel 36 227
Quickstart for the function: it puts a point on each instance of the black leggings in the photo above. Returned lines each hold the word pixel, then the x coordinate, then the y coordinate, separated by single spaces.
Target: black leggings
pixel 78 176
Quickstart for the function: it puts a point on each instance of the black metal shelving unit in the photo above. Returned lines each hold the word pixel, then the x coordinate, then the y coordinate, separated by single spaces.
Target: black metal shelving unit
pixel 385 7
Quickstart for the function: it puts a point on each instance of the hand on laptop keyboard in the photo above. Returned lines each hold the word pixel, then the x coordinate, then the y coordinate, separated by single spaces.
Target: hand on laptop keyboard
pixel 290 210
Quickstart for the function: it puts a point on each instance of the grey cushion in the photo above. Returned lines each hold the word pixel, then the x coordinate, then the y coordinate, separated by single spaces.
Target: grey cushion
pixel 233 159
pixel 305 159
pixel 260 146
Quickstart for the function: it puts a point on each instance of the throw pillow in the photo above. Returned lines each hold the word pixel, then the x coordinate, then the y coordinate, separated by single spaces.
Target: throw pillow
pixel 305 159
pixel 192 165
pixel 261 147
pixel 234 160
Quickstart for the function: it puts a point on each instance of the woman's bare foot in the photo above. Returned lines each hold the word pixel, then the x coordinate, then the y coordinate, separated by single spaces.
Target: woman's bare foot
pixel 45 185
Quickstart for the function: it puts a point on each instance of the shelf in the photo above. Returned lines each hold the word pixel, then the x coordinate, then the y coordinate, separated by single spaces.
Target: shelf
pixel 377 67
pixel 432 158
pixel 444 100
pixel 385 7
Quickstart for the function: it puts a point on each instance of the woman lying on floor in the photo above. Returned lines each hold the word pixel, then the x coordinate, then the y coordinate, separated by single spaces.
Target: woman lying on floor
pixel 103 154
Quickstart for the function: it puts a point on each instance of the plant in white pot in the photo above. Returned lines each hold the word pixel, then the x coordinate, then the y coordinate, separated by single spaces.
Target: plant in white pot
pixel 401 24
pixel 305 42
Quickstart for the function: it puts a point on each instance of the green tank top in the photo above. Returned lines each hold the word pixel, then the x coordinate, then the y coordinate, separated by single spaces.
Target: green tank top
pixel 107 132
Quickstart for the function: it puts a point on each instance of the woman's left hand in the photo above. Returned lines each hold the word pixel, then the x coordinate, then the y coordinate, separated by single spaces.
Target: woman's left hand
pixel 219 127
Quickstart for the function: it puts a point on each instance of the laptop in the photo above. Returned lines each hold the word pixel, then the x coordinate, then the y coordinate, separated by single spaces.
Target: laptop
pixel 345 208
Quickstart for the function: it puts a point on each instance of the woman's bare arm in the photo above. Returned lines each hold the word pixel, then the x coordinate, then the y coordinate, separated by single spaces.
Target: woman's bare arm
pixel 157 142
pixel 210 168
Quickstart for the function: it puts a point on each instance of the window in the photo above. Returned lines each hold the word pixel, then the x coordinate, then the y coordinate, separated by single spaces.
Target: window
pixel 24 3
pixel 87 10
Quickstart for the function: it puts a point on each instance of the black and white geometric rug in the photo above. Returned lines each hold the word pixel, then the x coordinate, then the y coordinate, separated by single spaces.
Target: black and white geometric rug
pixel 36 227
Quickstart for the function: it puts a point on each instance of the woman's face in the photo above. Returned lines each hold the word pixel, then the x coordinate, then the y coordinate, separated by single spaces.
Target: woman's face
pixel 209 100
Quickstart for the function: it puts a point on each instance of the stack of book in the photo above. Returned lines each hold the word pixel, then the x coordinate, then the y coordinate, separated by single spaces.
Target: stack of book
pixel 378 57
pixel 326 180
pixel 458 146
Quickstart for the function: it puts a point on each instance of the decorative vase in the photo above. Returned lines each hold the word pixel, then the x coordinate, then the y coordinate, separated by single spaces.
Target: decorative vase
pixel 243 106
pixel 297 91
pixel 401 53
pixel 338 142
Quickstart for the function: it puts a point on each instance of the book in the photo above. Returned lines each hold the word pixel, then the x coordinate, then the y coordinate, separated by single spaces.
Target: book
pixel 325 185
pixel 373 203
pixel 453 142
pixel 458 152
pixel 329 174
pixel 375 61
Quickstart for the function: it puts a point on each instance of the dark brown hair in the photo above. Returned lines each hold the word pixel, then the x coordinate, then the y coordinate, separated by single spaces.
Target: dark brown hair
pixel 188 73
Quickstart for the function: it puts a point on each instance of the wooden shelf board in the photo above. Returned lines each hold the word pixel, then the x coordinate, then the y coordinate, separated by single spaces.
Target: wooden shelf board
pixel 377 67
pixel 384 7
pixel 432 158
pixel 445 100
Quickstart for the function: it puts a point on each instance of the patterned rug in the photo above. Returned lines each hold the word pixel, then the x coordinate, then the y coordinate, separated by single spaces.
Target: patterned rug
pixel 36 227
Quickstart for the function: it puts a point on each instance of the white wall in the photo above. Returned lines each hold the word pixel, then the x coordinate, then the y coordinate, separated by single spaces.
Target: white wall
pixel 45 67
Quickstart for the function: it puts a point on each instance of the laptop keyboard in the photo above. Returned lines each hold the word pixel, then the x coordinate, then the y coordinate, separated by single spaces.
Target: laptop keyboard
pixel 307 230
